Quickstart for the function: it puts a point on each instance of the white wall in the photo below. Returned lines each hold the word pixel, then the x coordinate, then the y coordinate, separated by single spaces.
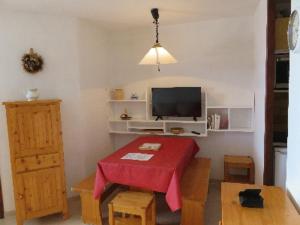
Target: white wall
pixel 293 165
pixel 95 69
pixel 73 51
pixel 217 55
pixel 260 26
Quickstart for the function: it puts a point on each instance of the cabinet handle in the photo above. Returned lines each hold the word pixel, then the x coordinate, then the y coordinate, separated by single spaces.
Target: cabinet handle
pixel 21 196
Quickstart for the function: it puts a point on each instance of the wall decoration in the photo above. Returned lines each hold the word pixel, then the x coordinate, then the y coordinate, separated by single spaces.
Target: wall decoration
pixel 32 62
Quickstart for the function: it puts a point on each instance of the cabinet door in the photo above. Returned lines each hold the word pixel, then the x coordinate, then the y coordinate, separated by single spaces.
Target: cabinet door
pixel 40 192
pixel 281 42
pixel 35 130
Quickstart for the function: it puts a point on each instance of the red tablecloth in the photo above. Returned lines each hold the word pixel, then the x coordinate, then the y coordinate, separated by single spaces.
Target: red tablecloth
pixel 161 173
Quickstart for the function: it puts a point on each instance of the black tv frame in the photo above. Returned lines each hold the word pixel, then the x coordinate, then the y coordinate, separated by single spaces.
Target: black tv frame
pixel 160 117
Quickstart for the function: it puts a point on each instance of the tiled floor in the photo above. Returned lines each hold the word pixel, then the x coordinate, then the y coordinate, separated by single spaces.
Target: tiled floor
pixel 165 217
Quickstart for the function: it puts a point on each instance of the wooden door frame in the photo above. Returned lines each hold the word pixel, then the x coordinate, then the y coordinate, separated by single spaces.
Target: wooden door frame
pixel 269 105
pixel 1 202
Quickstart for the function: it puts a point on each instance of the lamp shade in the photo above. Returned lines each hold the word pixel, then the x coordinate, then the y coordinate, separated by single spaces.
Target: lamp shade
pixel 157 55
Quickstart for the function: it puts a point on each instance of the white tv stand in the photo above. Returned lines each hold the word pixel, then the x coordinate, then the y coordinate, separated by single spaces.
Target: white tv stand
pixel 235 119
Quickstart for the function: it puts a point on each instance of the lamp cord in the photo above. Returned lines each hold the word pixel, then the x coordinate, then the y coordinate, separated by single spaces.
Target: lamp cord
pixel 156 30
pixel 157 41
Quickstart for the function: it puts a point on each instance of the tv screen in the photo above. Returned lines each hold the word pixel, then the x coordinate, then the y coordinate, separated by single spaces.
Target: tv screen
pixel 177 102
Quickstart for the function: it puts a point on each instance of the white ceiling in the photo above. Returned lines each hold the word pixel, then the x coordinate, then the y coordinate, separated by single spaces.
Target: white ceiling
pixel 132 13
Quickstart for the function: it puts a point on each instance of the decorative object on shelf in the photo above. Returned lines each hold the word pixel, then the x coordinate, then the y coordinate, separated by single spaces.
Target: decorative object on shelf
pixel 177 130
pixel 134 96
pixel 125 115
pixel 32 62
pixel 157 55
pixel 118 94
pixel 293 32
pixel 209 122
pixel 32 94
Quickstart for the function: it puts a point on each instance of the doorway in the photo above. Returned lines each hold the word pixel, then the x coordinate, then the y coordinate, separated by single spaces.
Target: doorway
pixel 277 77
pixel 1 202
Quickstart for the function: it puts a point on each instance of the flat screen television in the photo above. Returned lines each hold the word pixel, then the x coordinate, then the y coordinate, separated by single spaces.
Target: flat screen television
pixel 176 102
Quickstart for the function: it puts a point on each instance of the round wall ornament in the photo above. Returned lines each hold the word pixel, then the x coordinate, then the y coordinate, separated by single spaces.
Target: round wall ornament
pixel 32 62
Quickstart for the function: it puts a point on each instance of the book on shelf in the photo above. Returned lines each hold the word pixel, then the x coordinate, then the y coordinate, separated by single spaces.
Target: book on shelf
pixel 215 121
pixel 212 126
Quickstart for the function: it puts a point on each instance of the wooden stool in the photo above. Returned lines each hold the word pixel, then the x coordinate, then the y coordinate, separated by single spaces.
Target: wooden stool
pixel 238 162
pixel 131 204
pixel 90 207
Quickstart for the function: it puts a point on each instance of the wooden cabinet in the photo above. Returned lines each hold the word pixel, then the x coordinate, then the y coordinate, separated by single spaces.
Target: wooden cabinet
pixel 36 152
pixel 281 42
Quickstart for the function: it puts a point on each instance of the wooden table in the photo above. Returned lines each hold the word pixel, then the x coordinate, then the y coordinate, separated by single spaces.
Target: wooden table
pixel 194 189
pixel 161 173
pixel 278 209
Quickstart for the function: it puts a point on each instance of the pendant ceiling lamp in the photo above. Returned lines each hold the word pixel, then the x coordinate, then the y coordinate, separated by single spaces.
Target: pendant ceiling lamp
pixel 157 55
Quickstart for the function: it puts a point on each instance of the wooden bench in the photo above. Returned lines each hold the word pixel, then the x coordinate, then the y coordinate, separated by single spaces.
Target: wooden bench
pixel 91 208
pixel 194 189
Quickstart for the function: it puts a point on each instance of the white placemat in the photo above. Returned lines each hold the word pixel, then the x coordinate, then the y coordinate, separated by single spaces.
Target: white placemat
pixel 137 156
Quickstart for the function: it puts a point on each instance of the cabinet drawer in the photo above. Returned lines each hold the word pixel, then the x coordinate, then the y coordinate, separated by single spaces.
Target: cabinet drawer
pixel 37 162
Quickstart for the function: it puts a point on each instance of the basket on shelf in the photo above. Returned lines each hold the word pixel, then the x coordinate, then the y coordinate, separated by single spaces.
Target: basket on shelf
pixel 117 94
pixel 177 130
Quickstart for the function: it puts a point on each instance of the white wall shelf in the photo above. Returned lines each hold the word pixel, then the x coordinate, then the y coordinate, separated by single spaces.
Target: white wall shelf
pixel 144 128
pixel 229 107
pixel 237 118
pixel 159 134
pixel 231 130
pixel 233 118
pixel 117 121
pixel 186 135
pixel 158 121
